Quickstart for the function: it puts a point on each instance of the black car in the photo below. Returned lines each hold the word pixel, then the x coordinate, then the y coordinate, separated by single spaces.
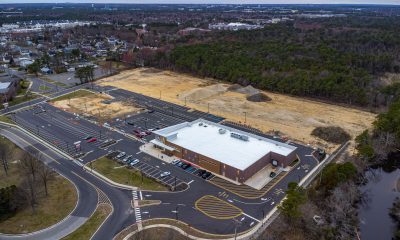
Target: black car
pixel 206 175
pixel 184 166
pixel 187 165
pixel 131 123
pixel 272 174
pixel 201 172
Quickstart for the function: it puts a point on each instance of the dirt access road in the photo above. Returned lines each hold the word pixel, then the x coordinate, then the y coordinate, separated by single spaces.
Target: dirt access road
pixel 294 117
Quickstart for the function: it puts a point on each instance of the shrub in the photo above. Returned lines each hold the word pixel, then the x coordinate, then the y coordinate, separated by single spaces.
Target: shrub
pixel 331 134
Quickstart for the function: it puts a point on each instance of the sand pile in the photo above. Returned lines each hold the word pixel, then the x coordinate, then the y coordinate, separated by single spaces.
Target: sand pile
pixel 198 94
pixel 249 90
pixel 258 97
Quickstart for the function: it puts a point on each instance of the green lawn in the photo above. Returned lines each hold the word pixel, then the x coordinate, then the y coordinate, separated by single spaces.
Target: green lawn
pixel 91 225
pixel 57 205
pixel 4 118
pixel 75 94
pixel 120 174
pixel 22 98
pixel 44 88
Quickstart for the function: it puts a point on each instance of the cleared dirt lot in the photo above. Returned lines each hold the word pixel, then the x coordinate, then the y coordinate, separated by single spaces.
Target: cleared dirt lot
pixel 294 117
pixel 93 104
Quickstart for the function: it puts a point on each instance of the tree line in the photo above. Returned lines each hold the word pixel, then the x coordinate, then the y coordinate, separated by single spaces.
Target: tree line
pixel 326 62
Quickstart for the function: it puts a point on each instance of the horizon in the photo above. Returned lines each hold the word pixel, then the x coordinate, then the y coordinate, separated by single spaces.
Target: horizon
pixel 223 2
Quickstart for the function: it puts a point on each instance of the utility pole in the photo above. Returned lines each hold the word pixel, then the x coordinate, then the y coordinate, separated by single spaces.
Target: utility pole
pixel 160 94
pixel 208 107
pixel 245 117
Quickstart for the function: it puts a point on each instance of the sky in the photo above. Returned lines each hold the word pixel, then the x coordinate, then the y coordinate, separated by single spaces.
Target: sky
pixel 397 2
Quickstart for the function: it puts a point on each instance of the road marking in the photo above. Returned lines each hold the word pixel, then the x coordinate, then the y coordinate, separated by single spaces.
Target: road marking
pixel 139 152
pixel 190 182
pixel 217 208
pixel 141 196
pixel 147 195
pixel 251 217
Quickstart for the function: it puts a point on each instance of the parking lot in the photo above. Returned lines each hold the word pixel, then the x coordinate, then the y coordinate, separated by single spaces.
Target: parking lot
pixel 69 133
pixel 166 108
pixel 154 172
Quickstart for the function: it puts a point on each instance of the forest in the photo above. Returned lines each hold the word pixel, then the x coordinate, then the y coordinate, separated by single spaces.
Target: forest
pixel 340 64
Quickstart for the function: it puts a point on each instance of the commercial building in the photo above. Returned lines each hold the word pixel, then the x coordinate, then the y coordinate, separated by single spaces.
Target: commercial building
pixel 223 150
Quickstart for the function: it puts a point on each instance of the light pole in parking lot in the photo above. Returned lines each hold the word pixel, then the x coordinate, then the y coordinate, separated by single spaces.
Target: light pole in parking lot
pixel 100 133
pixel 237 223
pixel 175 183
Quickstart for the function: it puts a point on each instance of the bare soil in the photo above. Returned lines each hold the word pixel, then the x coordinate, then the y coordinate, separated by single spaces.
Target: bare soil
pixel 294 117
pixel 94 105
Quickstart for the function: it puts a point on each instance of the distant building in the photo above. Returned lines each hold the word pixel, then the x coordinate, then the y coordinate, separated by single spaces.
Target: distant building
pixel 234 26
pixel 8 89
pixel 191 30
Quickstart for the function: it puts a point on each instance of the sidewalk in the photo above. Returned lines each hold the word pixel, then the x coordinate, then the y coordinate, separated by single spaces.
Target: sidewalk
pixel 148 148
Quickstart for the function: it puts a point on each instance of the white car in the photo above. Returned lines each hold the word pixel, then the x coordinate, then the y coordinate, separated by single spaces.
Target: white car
pixel 164 174
pixel 136 161
pixel 120 155
pixel 175 161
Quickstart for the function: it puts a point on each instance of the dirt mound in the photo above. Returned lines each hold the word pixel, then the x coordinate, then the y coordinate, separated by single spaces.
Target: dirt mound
pixel 258 97
pixel 249 90
pixel 151 70
pixel 234 87
pixel 205 92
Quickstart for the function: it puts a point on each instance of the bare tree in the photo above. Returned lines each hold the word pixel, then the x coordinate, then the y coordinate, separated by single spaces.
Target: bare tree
pixel 45 174
pixel 6 152
pixel 29 165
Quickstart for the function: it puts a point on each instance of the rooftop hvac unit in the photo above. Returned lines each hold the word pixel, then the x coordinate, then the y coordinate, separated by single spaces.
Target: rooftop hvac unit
pixel 222 131
pixel 201 124
pixel 240 137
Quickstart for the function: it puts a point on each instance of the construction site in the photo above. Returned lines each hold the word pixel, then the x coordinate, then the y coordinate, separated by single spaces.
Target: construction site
pixel 267 111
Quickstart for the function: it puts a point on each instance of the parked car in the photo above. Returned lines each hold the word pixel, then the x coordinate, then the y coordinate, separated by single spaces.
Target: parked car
pixel 164 174
pixel 272 174
pixel 87 137
pixel 187 165
pixel 120 155
pixel 175 161
pixel 201 172
pixel 179 164
pixel 134 162
pixel 131 123
pixel 92 140
pixel 126 159
pixel 206 175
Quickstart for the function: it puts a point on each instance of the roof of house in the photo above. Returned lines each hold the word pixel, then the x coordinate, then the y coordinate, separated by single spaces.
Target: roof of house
pixel 225 144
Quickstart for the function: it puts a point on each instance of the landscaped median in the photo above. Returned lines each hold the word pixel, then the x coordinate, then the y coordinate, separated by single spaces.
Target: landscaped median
pixel 163 227
pixel 122 175
pixel 19 211
pixel 87 230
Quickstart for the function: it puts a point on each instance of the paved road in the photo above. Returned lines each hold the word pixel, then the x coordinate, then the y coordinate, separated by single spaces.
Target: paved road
pixel 86 183
pixel 55 123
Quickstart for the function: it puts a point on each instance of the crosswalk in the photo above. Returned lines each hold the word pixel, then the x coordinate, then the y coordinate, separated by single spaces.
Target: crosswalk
pixel 138 215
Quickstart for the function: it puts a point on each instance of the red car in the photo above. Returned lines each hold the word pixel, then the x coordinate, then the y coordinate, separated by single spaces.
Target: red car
pixel 92 140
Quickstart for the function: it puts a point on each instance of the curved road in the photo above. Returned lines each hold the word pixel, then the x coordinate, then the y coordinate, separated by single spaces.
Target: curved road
pixel 121 217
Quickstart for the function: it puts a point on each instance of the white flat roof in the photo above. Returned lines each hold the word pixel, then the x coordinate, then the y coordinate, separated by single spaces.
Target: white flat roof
pixel 209 142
